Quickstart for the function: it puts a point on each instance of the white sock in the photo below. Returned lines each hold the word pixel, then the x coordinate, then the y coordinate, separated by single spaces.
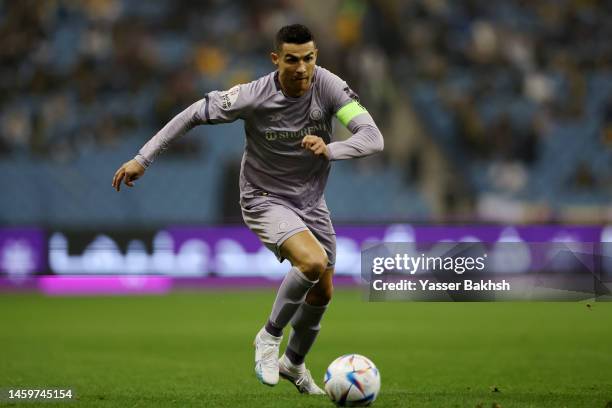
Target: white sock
pixel 296 368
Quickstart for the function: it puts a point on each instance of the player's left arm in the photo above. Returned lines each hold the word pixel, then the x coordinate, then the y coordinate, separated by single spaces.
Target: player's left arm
pixel 366 138
pixel 342 102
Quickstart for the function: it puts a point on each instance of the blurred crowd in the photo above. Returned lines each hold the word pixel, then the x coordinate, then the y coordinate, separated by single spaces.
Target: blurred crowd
pixel 492 82
pixel 499 81
pixel 81 73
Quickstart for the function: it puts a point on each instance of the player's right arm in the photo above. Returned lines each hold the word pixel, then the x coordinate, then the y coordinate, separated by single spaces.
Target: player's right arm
pixel 216 107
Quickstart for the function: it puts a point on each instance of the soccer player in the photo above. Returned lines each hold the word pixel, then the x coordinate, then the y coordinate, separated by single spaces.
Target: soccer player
pixel 287 118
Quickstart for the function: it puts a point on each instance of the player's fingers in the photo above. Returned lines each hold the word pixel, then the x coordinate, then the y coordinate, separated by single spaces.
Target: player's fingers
pixel 316 145
pixel 320 150
pixel 115 177
pixel 129 179
pixel 118 179
pixel 307 141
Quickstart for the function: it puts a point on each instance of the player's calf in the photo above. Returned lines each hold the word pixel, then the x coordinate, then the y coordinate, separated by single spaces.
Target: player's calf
pixel 321 293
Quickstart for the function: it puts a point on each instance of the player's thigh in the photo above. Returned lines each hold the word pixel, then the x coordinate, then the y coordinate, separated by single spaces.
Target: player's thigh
pixel 306 253
pixel 272 223
pixel 321 293
pixel 319 223
pixel 327 240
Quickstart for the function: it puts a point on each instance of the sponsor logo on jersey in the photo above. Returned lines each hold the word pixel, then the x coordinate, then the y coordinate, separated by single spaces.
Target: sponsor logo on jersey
pixel 275 117
pixel 228 98
pixel 272 135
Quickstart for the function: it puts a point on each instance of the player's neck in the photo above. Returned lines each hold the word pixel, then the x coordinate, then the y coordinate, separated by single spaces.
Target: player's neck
pixel 293 93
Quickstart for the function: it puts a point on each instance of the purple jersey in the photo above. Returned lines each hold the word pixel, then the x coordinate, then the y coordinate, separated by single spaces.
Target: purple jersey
pixel 274 162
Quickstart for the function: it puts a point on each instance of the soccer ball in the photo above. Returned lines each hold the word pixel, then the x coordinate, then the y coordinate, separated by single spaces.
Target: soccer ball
pixel 352 381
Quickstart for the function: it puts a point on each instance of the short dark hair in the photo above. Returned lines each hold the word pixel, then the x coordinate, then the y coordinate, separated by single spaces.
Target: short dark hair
pixel 292 34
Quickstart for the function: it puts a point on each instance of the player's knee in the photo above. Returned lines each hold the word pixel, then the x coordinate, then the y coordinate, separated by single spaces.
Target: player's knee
pixel 313 265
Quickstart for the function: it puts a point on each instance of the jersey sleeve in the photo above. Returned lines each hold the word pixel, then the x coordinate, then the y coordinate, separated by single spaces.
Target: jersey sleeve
pixel 344 104
pixel 338 96
pixel 228 106
pixel 215 107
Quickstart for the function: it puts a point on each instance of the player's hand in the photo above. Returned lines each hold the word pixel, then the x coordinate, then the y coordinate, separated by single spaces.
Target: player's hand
pixel 316 145
pixel 128 172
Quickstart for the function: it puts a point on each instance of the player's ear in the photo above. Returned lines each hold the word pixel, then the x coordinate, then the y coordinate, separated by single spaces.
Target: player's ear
pixel 275 58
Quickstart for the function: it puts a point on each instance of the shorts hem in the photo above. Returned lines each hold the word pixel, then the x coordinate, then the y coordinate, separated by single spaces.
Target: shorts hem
pixel 288 235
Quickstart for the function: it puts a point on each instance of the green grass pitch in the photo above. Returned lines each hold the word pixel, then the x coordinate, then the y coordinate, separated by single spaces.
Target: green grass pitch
pixel 194 349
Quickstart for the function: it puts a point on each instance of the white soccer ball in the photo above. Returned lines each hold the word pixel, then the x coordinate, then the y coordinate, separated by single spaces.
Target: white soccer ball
pixel 352 380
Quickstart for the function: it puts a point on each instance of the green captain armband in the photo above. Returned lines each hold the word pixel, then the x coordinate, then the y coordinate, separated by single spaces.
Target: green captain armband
pixel 349 111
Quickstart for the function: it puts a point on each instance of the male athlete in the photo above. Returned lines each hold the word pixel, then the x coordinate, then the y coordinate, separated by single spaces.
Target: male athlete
pixel 288 124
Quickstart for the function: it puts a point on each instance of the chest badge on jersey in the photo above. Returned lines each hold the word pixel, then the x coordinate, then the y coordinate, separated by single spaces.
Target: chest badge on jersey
pixel 316 114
